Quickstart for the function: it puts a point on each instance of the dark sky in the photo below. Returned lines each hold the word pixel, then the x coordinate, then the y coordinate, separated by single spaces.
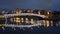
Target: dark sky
pixel 31 4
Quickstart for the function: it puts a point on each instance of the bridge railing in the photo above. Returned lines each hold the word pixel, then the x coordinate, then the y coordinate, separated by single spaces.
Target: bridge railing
pixel 24 14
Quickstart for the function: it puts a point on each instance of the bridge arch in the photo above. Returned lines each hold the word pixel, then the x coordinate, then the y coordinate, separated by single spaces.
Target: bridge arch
pixel 24 14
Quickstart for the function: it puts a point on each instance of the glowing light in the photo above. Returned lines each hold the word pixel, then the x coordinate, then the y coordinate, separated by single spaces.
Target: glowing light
pixel 48 13
pixel 20 11
pixel 26 20
pixel 22 20
pixel 47 23
pixel 17 19
pixel 32 11
pixel 11 19
pixel 1 16
pixel 32 21
pixel 39 12
pixel 28 11
pixel 51 23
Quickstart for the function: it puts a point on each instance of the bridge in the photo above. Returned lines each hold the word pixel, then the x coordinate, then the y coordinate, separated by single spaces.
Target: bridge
pixel 24 14
pixel 21 14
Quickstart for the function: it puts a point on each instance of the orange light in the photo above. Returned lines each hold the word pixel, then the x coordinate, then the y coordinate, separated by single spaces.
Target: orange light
pixel 47 23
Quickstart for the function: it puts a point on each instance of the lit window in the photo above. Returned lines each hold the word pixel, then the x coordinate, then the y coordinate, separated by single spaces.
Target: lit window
pixel 48 13
pixel 1 16
pixel 39 12
pixel 47 23
pixel 20 11
pixel 28 11
pixel 17 12
pixel 31 11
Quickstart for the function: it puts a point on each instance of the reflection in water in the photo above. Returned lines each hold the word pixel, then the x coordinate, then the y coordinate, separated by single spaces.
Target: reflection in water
pixel 47 23
pixel 31 21
pixel 17 20
pixel 51 23
pixel 22 20
pixel 26 20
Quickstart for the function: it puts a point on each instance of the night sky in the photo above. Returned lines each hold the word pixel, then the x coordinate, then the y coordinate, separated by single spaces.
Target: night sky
pixel 31 4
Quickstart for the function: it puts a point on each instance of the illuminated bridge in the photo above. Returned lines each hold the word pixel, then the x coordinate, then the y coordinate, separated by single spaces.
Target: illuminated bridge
pixel 25 19
pixel 22 14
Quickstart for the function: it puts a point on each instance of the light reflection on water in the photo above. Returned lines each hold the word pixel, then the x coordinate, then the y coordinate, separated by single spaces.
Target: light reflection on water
pixel 45 23
pixel 45 26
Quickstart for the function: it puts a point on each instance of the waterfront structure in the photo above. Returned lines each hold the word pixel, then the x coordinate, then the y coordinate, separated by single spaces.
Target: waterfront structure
pixel 28 18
